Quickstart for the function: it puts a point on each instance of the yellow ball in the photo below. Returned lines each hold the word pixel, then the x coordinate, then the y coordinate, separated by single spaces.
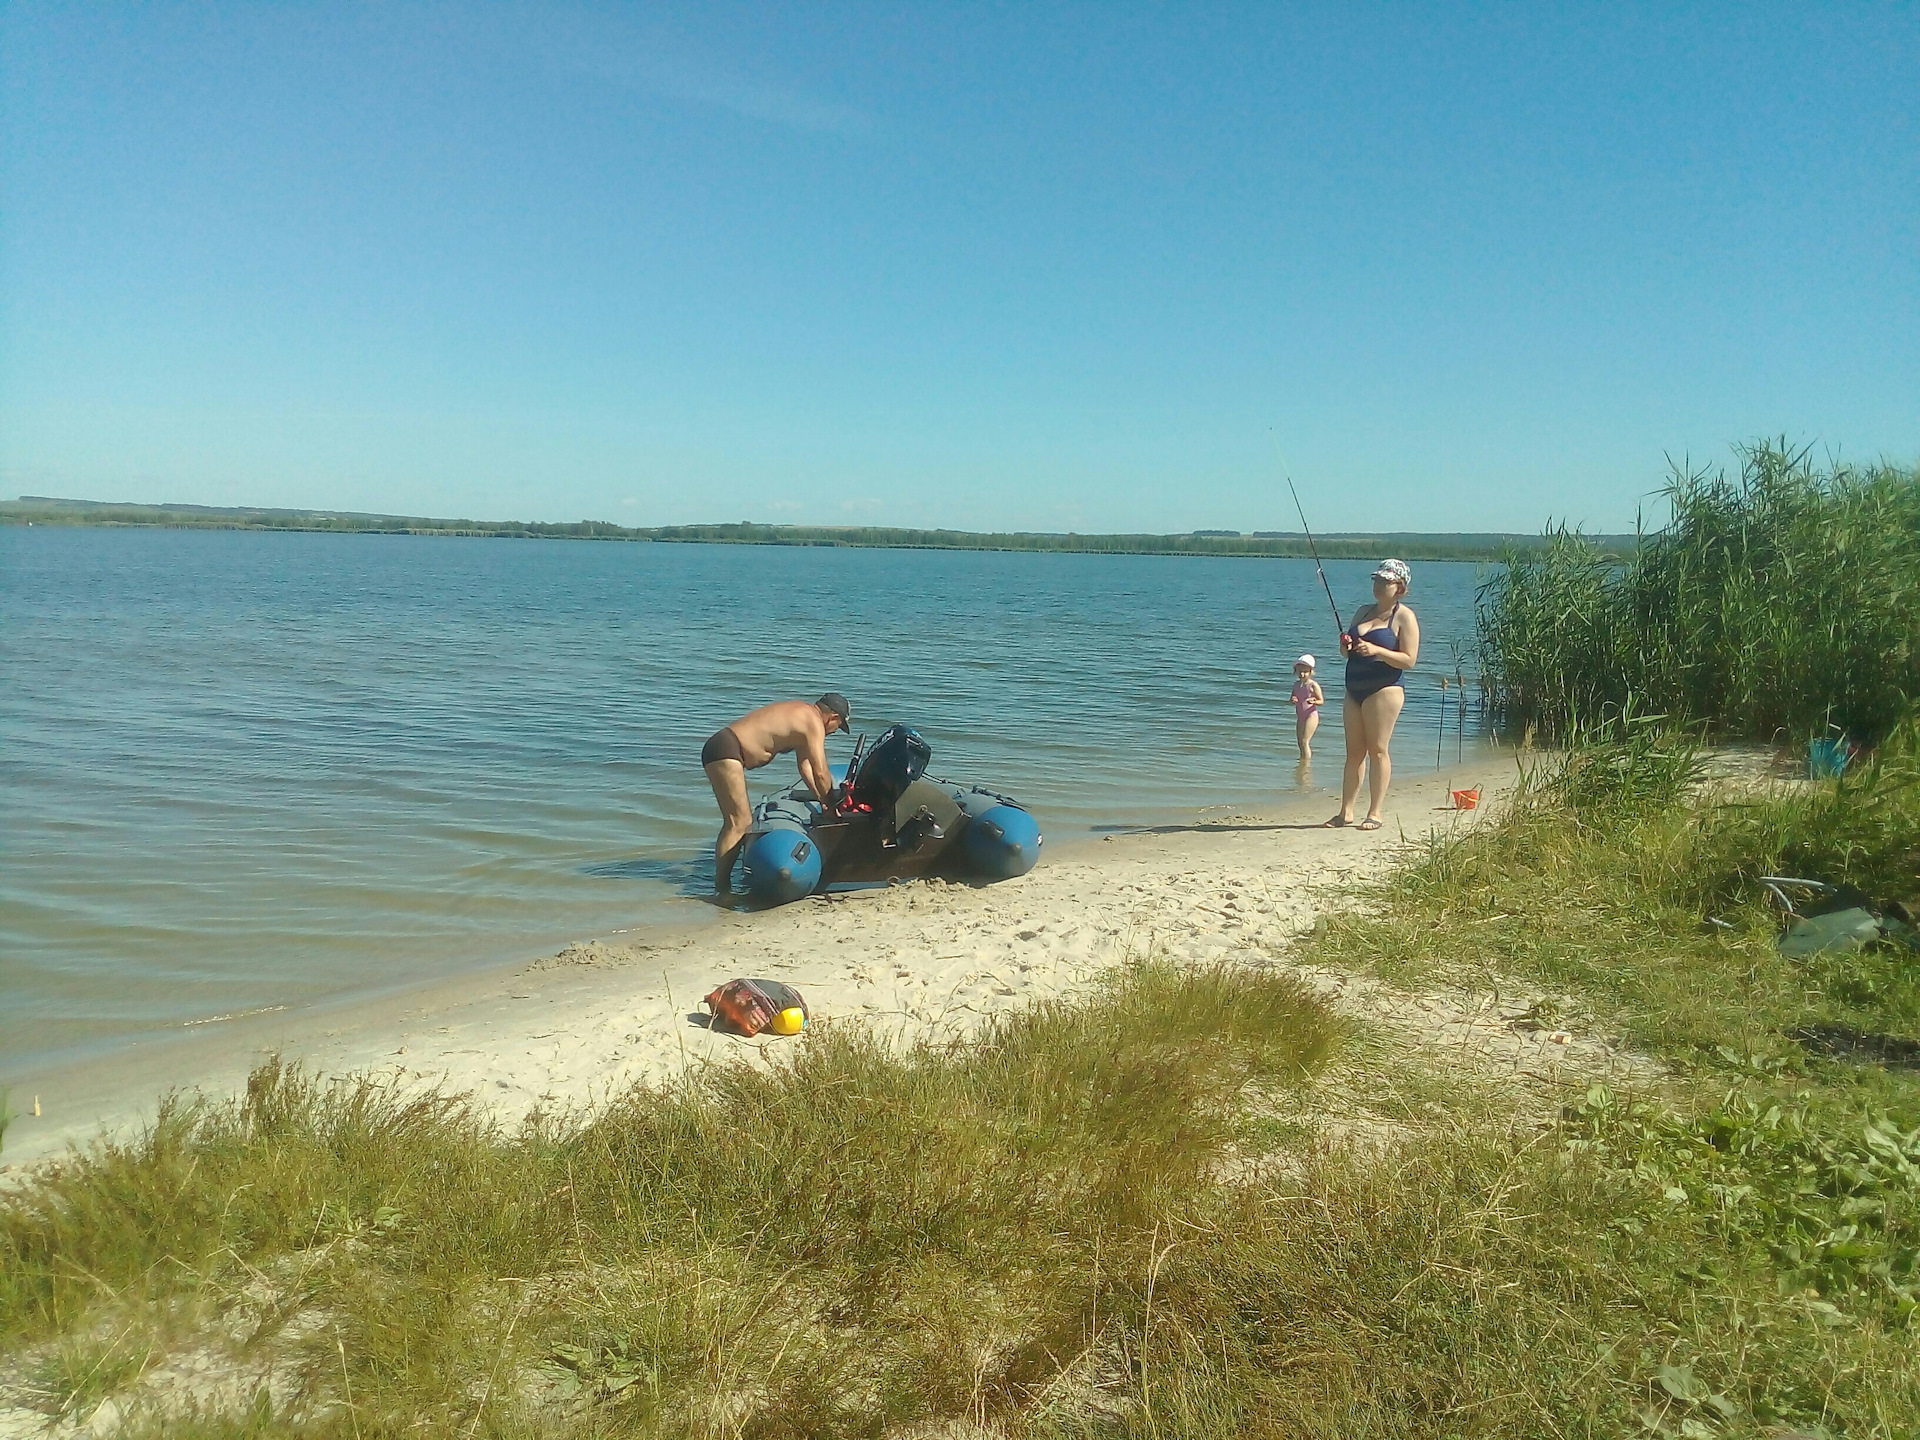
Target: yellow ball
pixel 790 1021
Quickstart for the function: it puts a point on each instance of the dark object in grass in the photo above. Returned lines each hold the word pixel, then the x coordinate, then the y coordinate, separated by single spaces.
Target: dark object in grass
pixel 1843 1042
pixel 1836 918
pixel 1851 929
pixel 1825 899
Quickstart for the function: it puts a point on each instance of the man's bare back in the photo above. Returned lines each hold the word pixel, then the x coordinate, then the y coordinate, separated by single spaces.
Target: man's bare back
pixel 797 727
pixel 778 729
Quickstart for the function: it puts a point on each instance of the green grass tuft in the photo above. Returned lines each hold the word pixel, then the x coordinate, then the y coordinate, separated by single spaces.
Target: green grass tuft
pixel 77 1372
pixel 859 1236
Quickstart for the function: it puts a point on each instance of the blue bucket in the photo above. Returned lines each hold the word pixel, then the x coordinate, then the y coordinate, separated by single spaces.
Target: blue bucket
pixel 1828 756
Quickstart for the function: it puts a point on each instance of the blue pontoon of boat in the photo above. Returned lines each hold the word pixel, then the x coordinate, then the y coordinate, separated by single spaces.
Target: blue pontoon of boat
pixel 890 821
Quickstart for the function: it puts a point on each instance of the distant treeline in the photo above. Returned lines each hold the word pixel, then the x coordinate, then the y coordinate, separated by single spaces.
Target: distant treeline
pixel 43 510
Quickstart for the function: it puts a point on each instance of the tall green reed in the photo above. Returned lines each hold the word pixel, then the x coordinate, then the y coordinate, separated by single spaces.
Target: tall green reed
pixel 1777 603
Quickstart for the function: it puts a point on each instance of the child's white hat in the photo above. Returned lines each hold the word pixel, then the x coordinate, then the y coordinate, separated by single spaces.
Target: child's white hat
pixel 1306 660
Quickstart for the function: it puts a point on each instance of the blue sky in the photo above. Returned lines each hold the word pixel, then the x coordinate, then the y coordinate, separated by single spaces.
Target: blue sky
pixel 988 266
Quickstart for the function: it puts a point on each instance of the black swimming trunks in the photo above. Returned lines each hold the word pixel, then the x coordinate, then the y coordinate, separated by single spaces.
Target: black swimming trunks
pixel 722 745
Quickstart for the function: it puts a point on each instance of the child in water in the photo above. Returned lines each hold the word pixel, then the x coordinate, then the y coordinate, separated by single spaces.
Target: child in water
pixel 1307 700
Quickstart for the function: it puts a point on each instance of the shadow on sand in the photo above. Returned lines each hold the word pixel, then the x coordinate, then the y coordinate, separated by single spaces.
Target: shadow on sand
pixel 1203 828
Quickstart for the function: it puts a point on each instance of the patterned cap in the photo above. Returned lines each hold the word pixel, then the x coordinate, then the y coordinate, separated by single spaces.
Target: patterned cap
pixel 1395 570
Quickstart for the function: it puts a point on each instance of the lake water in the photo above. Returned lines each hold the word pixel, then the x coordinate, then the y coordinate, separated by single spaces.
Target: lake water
pixel 244 770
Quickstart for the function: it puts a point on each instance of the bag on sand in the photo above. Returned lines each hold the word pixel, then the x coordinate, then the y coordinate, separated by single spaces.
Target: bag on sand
pixel 750 1006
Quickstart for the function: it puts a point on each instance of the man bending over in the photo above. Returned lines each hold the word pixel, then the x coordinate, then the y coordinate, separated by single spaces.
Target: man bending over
pixel 751 741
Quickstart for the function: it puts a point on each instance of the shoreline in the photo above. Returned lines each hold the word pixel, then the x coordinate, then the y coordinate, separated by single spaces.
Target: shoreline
pixel 924 959
pixel 1472 547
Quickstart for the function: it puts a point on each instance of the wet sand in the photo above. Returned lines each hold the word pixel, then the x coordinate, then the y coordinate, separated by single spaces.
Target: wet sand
pixel 921 959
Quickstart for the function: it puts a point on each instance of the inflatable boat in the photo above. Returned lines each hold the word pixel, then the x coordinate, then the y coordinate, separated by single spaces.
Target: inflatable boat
pixel 888 821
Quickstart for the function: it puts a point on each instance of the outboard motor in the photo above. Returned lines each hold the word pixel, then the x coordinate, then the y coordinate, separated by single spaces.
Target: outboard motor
pixel 897 759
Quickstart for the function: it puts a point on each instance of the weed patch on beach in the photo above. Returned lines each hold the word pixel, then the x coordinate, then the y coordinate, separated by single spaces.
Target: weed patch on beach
pixel 1779 1188
pixel 1610 879
pixel 857 1237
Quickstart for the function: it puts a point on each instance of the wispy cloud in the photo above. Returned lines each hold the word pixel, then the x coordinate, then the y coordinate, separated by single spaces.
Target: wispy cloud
pixel 756 100
pixel 588 44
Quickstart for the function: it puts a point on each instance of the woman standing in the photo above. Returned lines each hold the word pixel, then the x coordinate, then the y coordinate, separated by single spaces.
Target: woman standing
pixel 1381 645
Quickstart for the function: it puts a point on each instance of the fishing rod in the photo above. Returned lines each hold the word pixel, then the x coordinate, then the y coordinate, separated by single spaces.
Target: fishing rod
pixel 1339 625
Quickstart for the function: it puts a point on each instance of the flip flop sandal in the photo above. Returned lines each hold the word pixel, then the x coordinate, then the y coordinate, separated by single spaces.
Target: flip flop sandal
pixel 1336 823
pixel 1368 825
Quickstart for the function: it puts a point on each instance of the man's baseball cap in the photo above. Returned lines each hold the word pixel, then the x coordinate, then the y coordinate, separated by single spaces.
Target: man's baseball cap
pixel 836 702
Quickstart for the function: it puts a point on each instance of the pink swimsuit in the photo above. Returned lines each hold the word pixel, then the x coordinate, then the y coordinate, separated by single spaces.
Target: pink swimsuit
pixel 1303 702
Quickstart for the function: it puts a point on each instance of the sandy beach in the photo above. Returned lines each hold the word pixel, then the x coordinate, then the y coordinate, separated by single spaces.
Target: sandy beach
pixel 921 959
